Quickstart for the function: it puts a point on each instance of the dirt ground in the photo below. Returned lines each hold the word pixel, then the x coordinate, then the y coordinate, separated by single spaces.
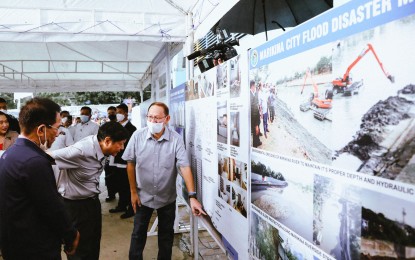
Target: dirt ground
pixel 287 136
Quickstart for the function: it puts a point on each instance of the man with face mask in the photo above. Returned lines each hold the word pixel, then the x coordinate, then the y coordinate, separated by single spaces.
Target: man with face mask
pixel 86 127
pixel 152 156
pixel 112 114
pixel 13 122
pixel 33 219
pixel 65 138
pixel 120 170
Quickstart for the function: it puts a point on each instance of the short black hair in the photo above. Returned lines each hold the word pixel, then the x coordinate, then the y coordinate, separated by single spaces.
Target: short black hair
pixel 2 100
pixel 114 130
pixel 87 108
pixel 111 108
pixel 65 111
pixel 123 107
pixel 37 111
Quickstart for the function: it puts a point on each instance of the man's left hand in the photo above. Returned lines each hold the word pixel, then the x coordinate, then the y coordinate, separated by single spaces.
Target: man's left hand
pixel 197 208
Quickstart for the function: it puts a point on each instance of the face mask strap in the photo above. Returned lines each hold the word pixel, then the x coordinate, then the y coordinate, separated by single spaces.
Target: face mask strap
pixel 40 141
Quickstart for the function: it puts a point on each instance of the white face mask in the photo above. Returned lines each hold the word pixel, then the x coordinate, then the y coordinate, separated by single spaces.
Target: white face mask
pixel 64 120
pixel 44 146
pixel 155 128
pixel 120 117
pixel 84 118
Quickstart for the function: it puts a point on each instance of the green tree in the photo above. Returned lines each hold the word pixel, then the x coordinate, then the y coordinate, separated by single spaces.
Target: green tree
pixel 9 97
pixel 324 65
pixel 96 98
pixel 90 98
pixel 59 98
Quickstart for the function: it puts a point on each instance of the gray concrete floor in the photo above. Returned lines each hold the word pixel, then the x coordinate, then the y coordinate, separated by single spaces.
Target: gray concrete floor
pixel 116 232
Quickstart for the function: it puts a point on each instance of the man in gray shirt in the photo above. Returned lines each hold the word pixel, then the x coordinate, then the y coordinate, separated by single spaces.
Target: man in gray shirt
pixel 86 127
pixel 79 186
pixel 152 155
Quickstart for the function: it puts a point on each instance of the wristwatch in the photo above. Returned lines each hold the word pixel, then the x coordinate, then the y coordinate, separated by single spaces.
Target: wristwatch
pixel 192 194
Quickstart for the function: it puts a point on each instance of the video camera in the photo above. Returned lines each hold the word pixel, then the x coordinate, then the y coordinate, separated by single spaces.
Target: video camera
pixel 218 53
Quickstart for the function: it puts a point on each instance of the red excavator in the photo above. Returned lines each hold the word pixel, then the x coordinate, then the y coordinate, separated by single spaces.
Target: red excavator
pixel 320 106
pixel 346 86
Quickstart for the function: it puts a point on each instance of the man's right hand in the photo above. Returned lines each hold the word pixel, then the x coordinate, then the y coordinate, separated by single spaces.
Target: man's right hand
pixel 70 250
pixel 135 201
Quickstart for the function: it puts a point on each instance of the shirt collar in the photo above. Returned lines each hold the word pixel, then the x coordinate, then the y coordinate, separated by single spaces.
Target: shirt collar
pixel 100 154
pixel 126 122
pixel 23 140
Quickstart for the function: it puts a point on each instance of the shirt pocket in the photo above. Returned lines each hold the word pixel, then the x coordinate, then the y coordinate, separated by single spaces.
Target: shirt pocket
pixel 167 160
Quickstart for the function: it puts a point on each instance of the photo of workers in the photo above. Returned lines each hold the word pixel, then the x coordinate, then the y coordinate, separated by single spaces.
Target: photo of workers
pixel 342 104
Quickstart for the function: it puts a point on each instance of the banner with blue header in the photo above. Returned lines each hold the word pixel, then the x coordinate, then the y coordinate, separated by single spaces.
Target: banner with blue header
pixel 348 19
pixel 332 128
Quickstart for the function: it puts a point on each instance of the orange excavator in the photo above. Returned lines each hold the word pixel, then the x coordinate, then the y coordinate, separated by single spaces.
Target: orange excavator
pixel 346 86
pixel 319 105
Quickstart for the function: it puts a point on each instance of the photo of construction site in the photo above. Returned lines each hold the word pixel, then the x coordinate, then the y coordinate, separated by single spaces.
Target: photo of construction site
pixel 348 103
pixel 291 86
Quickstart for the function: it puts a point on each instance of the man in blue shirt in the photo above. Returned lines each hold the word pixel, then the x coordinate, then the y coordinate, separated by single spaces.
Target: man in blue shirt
pixel 33 220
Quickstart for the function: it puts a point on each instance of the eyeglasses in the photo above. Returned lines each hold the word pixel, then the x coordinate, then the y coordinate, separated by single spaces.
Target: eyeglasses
pixel 54 127
pixel 154 118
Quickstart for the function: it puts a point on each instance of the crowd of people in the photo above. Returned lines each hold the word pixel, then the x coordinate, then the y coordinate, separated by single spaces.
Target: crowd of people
pixel 50 171
pixel 263 103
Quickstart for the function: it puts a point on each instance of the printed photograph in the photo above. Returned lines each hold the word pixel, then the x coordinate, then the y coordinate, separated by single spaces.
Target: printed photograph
pixel 286 96
pixel 222 121
pixel 388 228
pixel 268 242
pixel 285 192
pixel 348 103
pixel 337 218
pixel 235 77
pixel 222 75
pixel 235 133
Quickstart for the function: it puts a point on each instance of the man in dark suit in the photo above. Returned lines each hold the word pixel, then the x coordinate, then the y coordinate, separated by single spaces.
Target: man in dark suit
pixel 109 170
pixel 255 115
pixel 120 168
pixel 33 219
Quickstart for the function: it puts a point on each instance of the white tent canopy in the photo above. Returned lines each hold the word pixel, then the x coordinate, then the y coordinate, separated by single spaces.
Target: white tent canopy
pixel 90 45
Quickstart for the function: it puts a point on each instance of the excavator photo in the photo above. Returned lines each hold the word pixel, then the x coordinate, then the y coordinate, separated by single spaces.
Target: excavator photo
pixel 320 106
pixel 346 86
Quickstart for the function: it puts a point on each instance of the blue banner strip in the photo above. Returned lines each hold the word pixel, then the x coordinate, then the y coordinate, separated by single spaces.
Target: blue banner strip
pixel 350 18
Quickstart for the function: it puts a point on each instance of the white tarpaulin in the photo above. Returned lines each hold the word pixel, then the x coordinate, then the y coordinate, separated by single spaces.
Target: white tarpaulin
pixel 90 45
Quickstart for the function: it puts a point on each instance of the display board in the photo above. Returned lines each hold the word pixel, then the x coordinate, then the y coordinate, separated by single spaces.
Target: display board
pixel 332 162
pixel 216 111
